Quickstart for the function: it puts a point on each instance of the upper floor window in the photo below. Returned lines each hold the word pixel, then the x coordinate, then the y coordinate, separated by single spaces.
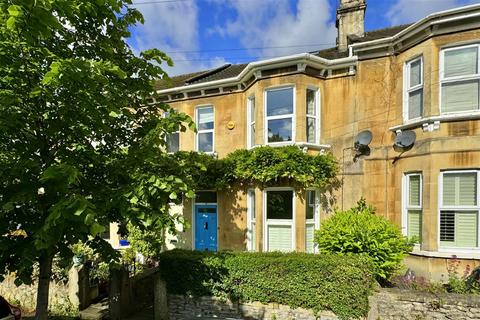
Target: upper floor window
pixel 413 97
pixel 205 126
pixel 279 115
pixel 251 122
pixel 460 79
pixel 413 206
pixel 313 116
pixel 459 209
pixel 173 142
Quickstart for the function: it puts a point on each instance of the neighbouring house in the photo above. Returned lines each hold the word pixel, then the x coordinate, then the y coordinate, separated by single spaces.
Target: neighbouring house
pixel 414 89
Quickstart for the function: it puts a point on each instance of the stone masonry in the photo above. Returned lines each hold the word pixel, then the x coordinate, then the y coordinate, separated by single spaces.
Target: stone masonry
pixel 182 308
pixel 390 304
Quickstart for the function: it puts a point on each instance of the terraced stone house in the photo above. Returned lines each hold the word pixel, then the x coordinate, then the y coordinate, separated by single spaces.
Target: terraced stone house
pixel 414 87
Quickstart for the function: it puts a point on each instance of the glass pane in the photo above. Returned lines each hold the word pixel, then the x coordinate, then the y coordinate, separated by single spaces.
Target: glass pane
pixel 280 102
pixel 311 97
pixel 279 238
pixel 252 108
pixel 460 96
pixel 415 224
pixel 254 237
pixel 461 62
pixel 415 73
pixel 205 142
pixel 252 134
pixel 206 197
pixel 466 229
pixel 414 190
pixel 311 130
pixel 279 204
pixel 310 206
pixel 280 130
pixel 415 104
pixel 460 189
pixel 205 118
pixel 309 235
pixel 447 226
pixel 251 197
pixel 173 142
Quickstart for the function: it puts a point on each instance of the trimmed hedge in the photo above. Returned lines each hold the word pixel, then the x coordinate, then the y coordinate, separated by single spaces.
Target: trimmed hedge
pixel 318 282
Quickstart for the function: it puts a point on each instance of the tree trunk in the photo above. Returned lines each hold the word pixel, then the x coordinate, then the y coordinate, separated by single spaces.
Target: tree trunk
pixel 45 260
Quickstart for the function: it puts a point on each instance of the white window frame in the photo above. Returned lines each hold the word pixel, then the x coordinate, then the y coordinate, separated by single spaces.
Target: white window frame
pixel 205 130
pixel 316 116
pixel 405 201
pixel 444 80
pixel 283 116
pixel 279 222
pixel 441 208
pixel 251 124
pixel 407 89
pixel 316 216
pixel 251 220
pixel 165 115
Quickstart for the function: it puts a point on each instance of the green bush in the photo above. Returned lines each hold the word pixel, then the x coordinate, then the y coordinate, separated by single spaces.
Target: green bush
pixel 359 231
pixel 318 282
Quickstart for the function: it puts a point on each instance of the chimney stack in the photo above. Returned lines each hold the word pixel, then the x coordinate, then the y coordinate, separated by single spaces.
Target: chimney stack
pixel 350 21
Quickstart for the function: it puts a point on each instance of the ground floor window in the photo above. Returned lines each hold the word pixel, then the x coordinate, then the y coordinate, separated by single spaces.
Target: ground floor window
pixel 279 226
pixel 459 209
pixel 412 220
pixel 311 219
pixel 251 232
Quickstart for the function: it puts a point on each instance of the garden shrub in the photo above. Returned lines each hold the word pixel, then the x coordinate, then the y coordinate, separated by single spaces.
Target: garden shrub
pixel 360 231
pixel 318 282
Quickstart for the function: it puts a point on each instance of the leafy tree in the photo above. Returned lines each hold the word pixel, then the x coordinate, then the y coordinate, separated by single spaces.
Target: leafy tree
pixel 360 231
pixel 76 126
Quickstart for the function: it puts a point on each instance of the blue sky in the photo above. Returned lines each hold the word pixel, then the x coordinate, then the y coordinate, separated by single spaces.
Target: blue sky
pixel 203 34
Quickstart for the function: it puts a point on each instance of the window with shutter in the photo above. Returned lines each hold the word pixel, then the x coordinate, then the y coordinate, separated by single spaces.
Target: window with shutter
pixel 279 217
pixel 459 210
pixel 460 79
pixel 413 95
pixel 413 206
pixel 312 218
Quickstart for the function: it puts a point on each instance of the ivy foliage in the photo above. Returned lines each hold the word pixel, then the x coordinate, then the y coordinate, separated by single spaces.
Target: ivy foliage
pixel 318 282
pixel 359 231
pixel 268 166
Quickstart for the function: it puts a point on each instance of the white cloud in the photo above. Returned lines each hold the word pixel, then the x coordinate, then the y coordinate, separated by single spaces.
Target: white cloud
pixel 405 11
pixel 173 28
pixel 272 23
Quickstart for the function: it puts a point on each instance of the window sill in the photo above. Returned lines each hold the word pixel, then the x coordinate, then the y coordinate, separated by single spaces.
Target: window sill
pixel 415 123
pixel 312 146
pixel 448 253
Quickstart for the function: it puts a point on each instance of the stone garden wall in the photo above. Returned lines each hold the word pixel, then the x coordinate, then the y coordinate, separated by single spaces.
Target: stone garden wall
pixel 390 304
pixel 182 307
pixel 25 296
pixel 386 304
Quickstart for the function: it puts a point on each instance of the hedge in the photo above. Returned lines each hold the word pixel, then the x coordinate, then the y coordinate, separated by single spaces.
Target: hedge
pixel 318 282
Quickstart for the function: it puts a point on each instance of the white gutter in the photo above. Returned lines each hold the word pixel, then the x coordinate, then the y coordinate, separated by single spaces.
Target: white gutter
pixel 259 65
pixel 426 21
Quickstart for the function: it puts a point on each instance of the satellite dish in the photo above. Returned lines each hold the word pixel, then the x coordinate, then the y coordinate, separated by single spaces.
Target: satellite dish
pixel 362 141
pixel 404 140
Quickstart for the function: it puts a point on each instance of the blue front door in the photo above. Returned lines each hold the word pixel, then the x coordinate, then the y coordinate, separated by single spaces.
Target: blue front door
pixel 206 227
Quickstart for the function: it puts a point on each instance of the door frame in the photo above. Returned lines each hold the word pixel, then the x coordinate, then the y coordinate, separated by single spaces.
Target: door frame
pixel 194 218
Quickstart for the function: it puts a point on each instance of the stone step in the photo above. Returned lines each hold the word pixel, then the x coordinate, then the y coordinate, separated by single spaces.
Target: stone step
pixel 97 311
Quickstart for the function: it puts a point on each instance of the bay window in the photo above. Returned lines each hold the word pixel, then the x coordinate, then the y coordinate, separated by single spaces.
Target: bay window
pixel 460 79
pixel 413 97
pixel 459 209
pixel 205 125
pixel 280 122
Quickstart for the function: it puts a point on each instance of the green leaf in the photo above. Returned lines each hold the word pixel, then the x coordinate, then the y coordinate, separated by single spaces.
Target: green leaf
pixel 96 229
